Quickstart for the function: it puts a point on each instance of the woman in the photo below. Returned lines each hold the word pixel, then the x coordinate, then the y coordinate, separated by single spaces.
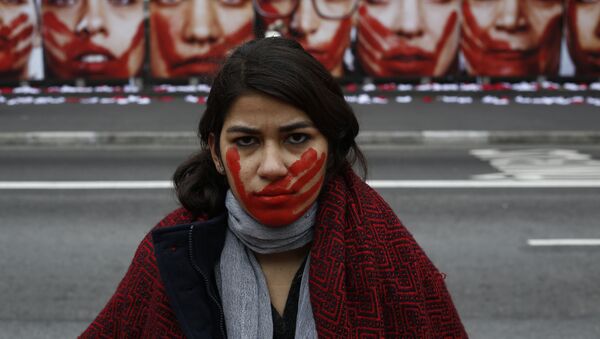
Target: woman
pixel 95 39
pixel 277 236
pixel 583 36
pixel 322 27
pixel 408 37
pixel 512 38
pixel 191 38
pixel 18 39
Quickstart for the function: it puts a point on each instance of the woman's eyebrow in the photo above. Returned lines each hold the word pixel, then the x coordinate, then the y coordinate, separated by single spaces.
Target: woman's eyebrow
pixel 296 125
pixel 283 129
pixel 242 129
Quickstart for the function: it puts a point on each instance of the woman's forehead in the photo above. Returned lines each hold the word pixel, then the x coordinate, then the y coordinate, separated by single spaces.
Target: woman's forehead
pixel 259 109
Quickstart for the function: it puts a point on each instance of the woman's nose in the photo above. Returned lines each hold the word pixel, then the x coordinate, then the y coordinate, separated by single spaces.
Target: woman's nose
pixel 511 18
pixel 408 23
pixel 272 166
pixel 92 19
pixel 305 19
pixel 201 24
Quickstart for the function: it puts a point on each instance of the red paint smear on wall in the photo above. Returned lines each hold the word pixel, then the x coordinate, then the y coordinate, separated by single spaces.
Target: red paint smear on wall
pixel 76 46
pixel 281 210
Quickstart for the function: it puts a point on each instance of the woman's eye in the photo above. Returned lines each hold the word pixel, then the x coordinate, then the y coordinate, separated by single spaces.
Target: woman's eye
pixel 245 141
pixel 60 3
pixel 123 2
pixel 167 2
pixel 297 138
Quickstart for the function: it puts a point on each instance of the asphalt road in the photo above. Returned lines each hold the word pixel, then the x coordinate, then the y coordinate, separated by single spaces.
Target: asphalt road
pixel 62 252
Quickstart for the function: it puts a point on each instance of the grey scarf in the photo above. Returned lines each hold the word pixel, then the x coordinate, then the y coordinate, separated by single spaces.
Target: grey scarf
pixel 243 288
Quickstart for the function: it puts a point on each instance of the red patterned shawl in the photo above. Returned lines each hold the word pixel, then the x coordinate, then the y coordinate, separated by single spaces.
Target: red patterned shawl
pixel 368 277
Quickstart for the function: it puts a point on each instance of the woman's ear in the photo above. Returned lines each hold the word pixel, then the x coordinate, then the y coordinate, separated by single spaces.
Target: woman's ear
pixel 214 153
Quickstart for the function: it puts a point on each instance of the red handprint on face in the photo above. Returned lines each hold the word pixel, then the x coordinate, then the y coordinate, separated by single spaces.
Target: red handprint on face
pixel 283 201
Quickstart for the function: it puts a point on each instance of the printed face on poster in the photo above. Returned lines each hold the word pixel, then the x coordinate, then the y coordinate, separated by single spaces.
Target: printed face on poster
pixel 512 38
pixel 192 37
pixel 19 40
pixel 583 36
pixel 322 27
pixel 93 39
pixel 408 37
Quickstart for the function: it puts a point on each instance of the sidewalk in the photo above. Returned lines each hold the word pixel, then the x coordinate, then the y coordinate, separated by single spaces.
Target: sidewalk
pixel 393 119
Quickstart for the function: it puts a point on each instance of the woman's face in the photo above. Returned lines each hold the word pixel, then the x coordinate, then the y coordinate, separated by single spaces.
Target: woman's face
pixel 512 37
pixel 325 39
pixel 408 37
pixel 93 38
pixel 583 23
pixel 273 156
pixel 18 29
pixel 191 37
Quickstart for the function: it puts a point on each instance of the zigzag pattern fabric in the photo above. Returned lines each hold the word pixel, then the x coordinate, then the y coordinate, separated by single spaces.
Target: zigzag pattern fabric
pixel 368 277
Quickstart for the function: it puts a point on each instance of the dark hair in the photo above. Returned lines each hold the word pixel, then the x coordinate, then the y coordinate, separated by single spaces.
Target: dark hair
pixel 279 68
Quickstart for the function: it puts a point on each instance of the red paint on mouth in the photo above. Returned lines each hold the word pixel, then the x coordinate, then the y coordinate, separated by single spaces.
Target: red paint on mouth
pixel 12 58
pixel 279 203
pixel 396 55
pixel 72 64
pixel 186 62
pixel 329 54
pixel 587 61
pixel 490 57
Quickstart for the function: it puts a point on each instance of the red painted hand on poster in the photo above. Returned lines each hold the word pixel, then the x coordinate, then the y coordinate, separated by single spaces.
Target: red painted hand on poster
pixel 192 37
pixel 18 30
pixel 93 38
pixel 408 37
pixel 322 27
pixel 583 35
pixel 512 37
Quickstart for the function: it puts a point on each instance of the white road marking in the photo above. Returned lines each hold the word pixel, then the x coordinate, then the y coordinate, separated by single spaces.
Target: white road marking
pixel 538 164
pixel 483 183
pixel 563 242
pixel 165 184
pixel 70 185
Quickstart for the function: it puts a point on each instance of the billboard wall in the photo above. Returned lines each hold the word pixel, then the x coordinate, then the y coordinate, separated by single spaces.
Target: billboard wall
pixel 108 39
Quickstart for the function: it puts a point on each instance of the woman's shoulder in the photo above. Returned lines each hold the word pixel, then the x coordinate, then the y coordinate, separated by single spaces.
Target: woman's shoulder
pixel 178 216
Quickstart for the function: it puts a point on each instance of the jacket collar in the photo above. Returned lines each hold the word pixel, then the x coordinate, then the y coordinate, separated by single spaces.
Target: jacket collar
pixel 186 256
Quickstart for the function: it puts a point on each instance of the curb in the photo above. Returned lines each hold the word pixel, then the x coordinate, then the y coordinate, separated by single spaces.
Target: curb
pixel 365 138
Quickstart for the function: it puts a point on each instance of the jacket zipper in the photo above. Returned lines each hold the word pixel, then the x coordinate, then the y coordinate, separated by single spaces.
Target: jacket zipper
pixel 208 290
